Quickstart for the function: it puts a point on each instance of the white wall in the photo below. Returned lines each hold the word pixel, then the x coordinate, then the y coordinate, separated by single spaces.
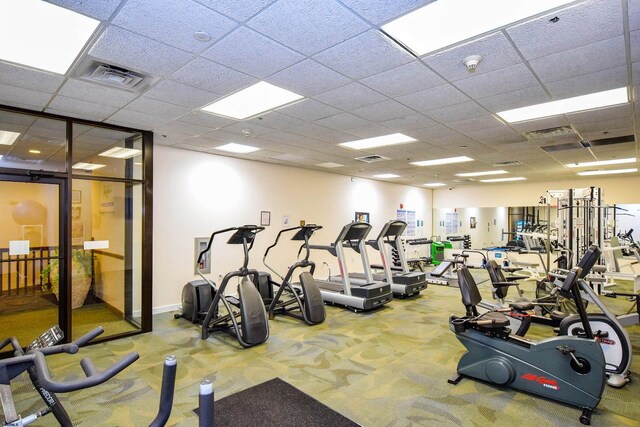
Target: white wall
pixel 198 193
pixel 622 189
pixel 490 223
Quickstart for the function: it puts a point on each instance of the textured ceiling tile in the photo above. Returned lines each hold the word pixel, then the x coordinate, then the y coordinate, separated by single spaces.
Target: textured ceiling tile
pixel 589 83
pixel 483 122
pixel 310 110
pixel 578 26
pixel 157 108
pixel 173 22
pixel 206 75
pixel 515 99
pixel 178 126
pixel 497 82
pixel 13 95
pixel 501 133
pixel 408 122
pixel 605 125
pixel 15 75
pixel 440 96
pixel 364 55
pixel 178 93
pixel 634 42
pixel 351 96
pixel 102 9
pixel 126 49
pixel 635 67
pixel 598 56
pixel 544 123
pixel 87 91
pixel 244 129
pixel 369 131
pixel 409 78
pixel 378 12
pixel 99 112
pixel 343 122
pixel 240 10
pixel 495 49
pixel 308 26
pixel 610 133
pixel 276 120
pixel 609 113
pixel 296 78
pixel 252 53
pixel 136 120
pixel 634 14
pixel 454 113
pixel 311 130
pixel 432 132
pixel 385 110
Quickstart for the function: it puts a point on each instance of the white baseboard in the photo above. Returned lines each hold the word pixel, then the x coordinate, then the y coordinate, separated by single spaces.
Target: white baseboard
pixel 166 308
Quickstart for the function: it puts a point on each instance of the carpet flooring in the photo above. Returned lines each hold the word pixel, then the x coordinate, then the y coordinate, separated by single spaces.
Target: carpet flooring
pixel 384 368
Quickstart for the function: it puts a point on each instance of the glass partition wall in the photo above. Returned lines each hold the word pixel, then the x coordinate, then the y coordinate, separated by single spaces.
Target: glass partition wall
pixel 75 226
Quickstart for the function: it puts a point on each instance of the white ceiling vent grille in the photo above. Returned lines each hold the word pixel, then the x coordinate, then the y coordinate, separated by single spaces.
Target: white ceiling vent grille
pixel 549 133
pixel 113 76
pixel 507 164
pixel 371 159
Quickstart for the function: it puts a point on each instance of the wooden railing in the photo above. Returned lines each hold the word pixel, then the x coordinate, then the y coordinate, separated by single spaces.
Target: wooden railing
pixel 20 274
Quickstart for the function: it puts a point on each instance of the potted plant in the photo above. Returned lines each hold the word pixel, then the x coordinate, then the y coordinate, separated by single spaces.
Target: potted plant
pixel 81 265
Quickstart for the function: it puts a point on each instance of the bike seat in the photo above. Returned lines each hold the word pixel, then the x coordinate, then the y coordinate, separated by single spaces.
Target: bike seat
pixel 522 305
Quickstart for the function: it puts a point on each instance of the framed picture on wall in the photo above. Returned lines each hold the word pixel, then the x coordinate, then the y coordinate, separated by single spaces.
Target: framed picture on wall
pixel 107 197
pixel 473 222
pixel 265 218
pixel 362 217
pixel 76 212
pixel 76 197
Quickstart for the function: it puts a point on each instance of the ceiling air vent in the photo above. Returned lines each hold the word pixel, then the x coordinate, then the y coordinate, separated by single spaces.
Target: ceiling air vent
pixel 371 159
pixel 612 141
pixel 463 180
pixel 113 76
pixel 507 164
pixel 548 133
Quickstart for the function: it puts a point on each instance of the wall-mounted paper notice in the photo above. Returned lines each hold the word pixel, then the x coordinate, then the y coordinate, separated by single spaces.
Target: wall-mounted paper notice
pixel 18 247
pixel 96 244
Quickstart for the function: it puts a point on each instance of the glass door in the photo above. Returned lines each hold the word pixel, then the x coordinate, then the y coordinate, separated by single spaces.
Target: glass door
pixel 30 257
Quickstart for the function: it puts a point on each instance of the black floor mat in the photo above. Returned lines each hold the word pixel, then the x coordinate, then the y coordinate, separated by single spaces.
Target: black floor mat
pixel 275 403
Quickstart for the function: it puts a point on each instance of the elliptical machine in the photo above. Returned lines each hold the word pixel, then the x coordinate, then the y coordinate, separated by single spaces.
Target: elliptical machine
pixel 305 295
pixel 252 328
pixel 569 369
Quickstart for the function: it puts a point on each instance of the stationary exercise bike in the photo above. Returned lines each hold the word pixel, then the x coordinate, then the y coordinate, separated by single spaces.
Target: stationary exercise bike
pixel 568 369
pixel 302 300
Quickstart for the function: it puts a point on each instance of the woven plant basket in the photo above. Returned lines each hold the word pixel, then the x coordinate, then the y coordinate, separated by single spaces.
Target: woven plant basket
pixel 80 285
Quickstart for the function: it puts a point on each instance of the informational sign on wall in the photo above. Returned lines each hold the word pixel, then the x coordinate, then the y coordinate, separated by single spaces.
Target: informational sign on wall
pixel 401 215
pixel 451 222
pixel 410 218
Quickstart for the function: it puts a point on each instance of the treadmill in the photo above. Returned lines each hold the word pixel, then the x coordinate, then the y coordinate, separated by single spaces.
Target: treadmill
pixel 365 295
pixel 404 283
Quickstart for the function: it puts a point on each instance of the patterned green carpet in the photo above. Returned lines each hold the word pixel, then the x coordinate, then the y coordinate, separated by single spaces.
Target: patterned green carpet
pixel 385 368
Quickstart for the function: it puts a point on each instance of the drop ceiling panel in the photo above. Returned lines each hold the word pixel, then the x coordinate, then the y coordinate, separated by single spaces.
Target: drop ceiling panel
pixel 206 75
pixel 15 75
pixel 87 91
pixel 72 106
pixel 545 123
pixel 240 10
pixel 117 46
pixel 343 122
pixel 364 55
pixel 408 78
pixel 252 53
pixel 408 123
pixel 454 113
pixel 245 129
pixel 604 125
pixel 102 9
pixel 207 120
pixel 601 114
pixel 432 132
pixel 499 81
pixel 369 131
pixel 595 57
pixel 351 96
pixel 33 99
pixel 325 24
pixel 589 83
pixel 586 23
pixel 310 110
pixel 429 99
pixel 634 42
pixel 515 99
pixel 136 120
pixel 173 23
pixel 296 78
pixel 157 108
pixel 382 111
pixel 495 49
pixel 610 133
pixel 486 121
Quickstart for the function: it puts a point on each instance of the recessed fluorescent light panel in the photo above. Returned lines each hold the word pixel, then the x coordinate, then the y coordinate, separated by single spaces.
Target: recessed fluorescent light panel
pixel 445 161
pixel 446 22
pixel 8 138
pixel 35 151
pixel 515 178
pixel 601 163
pixel 42 35
pixel 568 105
pixel 386 175
pixel 608 172
pixel 329 165
pixel 378 141
pixel 435 184
pixel 251 101
pixel 498 172
pixel 121 153
pixel 87 166
pixel 237 148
